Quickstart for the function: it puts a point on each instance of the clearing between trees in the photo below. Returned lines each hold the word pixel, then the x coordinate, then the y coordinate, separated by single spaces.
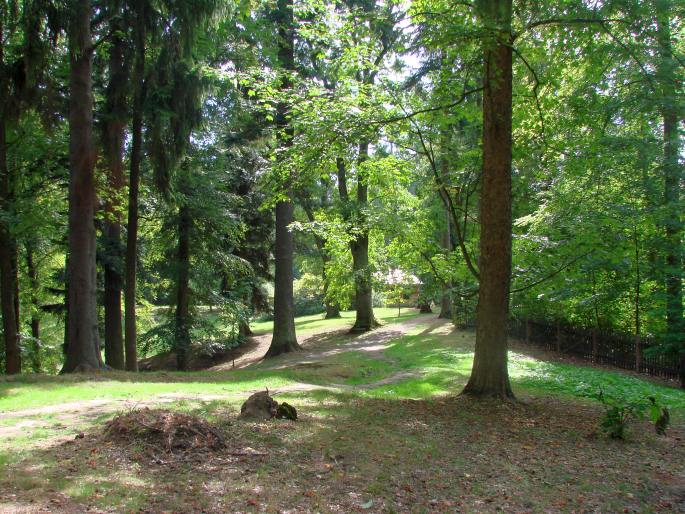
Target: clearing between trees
pixel 380 429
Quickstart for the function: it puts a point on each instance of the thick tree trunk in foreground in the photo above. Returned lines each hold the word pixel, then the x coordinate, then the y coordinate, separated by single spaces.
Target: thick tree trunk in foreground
pixel 284 337
pixel 363 292
pixel 182 336
pixel 8 271
pixel 83 344
pixel 489 376
pixel 114 149
pixel 133 186
pixel 675 324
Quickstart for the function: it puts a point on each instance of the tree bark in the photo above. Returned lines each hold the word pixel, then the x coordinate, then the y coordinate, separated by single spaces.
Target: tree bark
pixel 183 321
pixel 363 292
pixel 284 337
pixel 36 363
pixel 83 347
pixel 490 376
pixel 8 283
pixel 244 329
pixel 446 298
pixel 8 271
pixel 332 308
pixel 139 91
pixel 638 279
pixel 446 304
pixel 113 144
pixel 675 323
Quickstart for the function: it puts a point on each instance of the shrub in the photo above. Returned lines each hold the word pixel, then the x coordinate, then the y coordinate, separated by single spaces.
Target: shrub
pixel 619 412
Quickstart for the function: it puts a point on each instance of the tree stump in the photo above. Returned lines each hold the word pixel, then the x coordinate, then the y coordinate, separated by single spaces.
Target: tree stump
pixel 259 406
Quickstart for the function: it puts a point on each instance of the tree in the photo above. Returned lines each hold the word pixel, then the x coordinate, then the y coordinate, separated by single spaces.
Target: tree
pixel 140 9
pixel 489 376
pixel 673 225
pixel 284 337
pixel 115 118
pixel 22 56
pixel 332 307
pixel 83 341
pixel 363 292
pixel 8 245
pixel 183 320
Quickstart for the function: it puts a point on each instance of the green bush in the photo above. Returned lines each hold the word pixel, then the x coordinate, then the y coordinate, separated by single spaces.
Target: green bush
pixel 308 295
pixel 619 412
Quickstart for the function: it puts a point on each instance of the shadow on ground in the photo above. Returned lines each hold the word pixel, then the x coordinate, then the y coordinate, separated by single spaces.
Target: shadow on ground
pixel 349 453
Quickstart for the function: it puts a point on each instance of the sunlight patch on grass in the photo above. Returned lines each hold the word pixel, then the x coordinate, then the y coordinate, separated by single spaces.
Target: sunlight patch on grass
pixel 16 395
pixel 316 322
pixel 427 386
pixel 586 382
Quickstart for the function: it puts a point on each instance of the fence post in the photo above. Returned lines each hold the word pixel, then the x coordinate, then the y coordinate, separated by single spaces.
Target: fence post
pixel 638 353
pixel 558 336
pixel 594 344
pixel 527 331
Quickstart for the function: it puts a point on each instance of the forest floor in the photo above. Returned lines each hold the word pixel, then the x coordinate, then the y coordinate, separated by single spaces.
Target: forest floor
pixel 381 429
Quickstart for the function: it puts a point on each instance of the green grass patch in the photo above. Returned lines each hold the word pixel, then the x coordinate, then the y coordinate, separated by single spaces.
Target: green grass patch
pixel 435 364
pixel 20 393
pixel 586 382
pixel 316 322
pixel 445 364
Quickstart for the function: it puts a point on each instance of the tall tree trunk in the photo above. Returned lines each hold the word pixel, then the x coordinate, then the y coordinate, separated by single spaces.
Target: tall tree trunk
pixel 114 148
pixel 638 280
pixel 446 298
pixel 363 292
pixel 425 307
pixel 36 364
pixel 8 273
pixel 675 324
pixel 133 186
pixel 244 329
pixel 8 268
pixel 284 337
pixel 332 308
pixel 489 376
pixel 83 347
pixel 182 337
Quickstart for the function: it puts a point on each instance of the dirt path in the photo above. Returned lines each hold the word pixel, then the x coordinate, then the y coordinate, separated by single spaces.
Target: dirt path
pixel 325 343
pixel 339 341
pixel 72 416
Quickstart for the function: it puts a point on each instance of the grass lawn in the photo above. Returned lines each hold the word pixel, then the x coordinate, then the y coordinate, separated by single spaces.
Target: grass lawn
pixel 316 322
pixel 381 429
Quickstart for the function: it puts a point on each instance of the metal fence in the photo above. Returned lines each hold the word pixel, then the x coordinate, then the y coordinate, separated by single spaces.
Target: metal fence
pixel 597 346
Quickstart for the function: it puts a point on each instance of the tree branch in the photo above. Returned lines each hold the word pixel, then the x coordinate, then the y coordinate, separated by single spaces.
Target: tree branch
pixel 551 275
pixel 410 115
